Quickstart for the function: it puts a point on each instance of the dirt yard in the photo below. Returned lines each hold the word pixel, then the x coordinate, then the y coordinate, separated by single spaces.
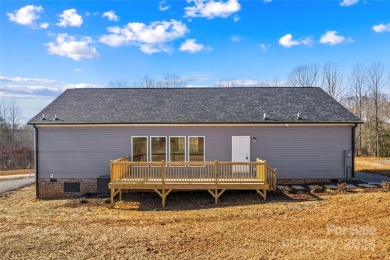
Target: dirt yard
pixel 301 226
pixel 17 172
pixel 373 165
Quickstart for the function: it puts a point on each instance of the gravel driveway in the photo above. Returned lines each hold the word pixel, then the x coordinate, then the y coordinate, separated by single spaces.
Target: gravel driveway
pixel 15 184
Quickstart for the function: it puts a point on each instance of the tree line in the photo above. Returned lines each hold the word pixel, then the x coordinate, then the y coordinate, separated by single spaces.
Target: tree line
pixel 16 138
pixel 362 91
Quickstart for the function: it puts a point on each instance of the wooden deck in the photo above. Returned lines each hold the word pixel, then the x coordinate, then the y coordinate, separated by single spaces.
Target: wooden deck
pixel 215 177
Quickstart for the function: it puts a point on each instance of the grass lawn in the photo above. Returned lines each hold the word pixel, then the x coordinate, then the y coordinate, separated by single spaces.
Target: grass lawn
pixel 373 165
pixel 17 172
pixel 300 226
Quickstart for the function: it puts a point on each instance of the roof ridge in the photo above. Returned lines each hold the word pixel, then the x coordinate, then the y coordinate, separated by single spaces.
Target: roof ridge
pixel 237 87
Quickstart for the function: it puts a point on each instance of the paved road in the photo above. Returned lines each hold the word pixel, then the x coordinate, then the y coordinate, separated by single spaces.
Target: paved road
pixel 369 177
pixel 15 184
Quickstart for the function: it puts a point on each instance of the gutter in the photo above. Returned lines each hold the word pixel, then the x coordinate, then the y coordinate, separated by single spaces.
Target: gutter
pixel 199 123
pixel 353 151
pixel 36 160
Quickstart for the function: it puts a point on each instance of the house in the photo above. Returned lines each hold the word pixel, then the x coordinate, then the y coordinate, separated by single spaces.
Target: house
pixel 303 132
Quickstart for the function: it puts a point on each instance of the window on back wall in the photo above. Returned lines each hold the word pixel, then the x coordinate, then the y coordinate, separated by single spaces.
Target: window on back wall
pixel 158 148
pixel 196 149
pixel 177 149
pixel 140 148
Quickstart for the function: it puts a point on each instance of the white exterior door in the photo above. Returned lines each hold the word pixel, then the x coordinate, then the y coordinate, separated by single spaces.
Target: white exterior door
pixel 241 148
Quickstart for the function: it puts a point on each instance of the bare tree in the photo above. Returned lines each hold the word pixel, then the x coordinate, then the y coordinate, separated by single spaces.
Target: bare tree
pixel 172 80
pixel 332 80
pixel 375 82
pixel 357 83
pixel 15 115
pixel 304 76
pixel 276 82
pixel 12 146
pixel 226 83
pixel 118 84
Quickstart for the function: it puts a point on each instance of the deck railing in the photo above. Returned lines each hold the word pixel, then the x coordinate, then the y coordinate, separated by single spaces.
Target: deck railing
pixel 193 172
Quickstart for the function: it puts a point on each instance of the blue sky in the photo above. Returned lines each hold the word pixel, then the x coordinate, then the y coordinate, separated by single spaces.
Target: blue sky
pixel 49 46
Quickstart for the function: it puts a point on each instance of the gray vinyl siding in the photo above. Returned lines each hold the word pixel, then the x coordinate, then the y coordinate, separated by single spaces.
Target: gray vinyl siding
pixel 296 151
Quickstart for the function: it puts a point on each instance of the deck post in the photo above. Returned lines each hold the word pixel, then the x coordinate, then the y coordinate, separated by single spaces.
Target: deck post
pixel 274 179
pixel 163 172
pixel 216 182
pixel 216 172
pixel 163 197
pixel 112 197
pixel 111 167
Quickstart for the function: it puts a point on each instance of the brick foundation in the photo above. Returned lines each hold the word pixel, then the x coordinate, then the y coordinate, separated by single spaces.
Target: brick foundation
pixel 55 187
pixel 304 181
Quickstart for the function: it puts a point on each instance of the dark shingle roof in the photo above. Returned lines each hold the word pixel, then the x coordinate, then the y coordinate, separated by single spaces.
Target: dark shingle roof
pixel 194 105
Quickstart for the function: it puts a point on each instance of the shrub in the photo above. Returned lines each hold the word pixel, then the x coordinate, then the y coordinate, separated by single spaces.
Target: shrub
pixel 288 190
pixel 385 186
pixel 342 187
pixel 317 189
pixel 83 200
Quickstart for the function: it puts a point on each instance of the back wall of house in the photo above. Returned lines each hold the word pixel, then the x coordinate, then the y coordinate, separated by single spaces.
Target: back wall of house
pixel 296 151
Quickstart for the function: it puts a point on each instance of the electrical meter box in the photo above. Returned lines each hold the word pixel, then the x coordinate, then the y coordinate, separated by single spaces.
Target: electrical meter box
pixel 348 158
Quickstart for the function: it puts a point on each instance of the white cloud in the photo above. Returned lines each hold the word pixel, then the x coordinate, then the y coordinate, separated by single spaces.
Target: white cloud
pixel 44 25
pixel 151 48
pixel 32 94
pixel 191 46
pixel 211 9
pixel 236 18
pixel 287 41
pixel 347 3
pixel 151 38
pixel 264 47
pixel 197 86
pixel 39 86
pixel 111 16
pixel 331 38
pixel 78 70
pixel 26 15
pixel 68 46
pixel 250 83
pixel 235 38
pixel 81 85
pixel 26 80
pixel 267 1
pixel 162 7
pixel 379 28
pixel 70 18
pixel 28 89
pixel 308 41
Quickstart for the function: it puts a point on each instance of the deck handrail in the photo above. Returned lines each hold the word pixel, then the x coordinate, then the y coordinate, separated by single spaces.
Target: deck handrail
pixel 189 172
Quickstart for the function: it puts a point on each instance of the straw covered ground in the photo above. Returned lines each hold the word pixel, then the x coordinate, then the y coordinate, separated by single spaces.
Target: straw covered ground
pixel 373 165
pixel 355 225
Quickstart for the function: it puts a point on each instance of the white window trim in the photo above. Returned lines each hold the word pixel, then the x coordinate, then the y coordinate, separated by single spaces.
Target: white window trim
pixel 185 147
pixel 147 147
pixel 204 147
pixel 166 146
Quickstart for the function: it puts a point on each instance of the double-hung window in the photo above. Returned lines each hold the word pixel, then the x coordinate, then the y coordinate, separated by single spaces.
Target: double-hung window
pixel 158 151
pixel 139 148
pixel 196 149
pixel 177 149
